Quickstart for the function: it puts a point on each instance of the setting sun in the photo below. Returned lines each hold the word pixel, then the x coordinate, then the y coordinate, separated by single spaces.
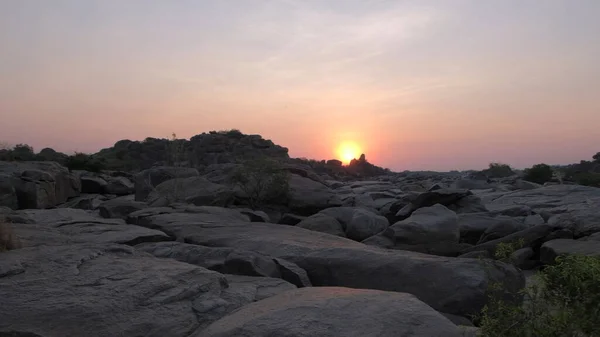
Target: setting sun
pixel 348 151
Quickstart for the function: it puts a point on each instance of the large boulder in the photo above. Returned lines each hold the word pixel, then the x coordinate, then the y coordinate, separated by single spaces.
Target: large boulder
pixel 451 285
pixel 446 197
pixel 93 185
pixel 8 193
pixel 229 261
pixel 193 190
pixel 431 230
pixel 358 223
pixel 502 227
pixel 552 249
pixel 120 208
pixel 37 184
pixel 119 186
pixel 147 180
pixel 529 237
pixel 334 311
pixel 308 197
pixel 323 223
pixel 107 290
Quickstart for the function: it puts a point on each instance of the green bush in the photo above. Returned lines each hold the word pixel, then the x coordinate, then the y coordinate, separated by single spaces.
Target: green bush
pixel 262 181
pixel 539 173
pixel 563 302
pixel 498 170
pixel 588 179
pixel 82 161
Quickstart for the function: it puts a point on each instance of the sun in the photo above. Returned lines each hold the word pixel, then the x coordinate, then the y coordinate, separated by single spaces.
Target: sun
pixel 347 151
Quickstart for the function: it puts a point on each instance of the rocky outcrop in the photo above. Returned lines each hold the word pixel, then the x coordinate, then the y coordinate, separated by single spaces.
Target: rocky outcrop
pixel 229 261
pixel 147 180
pixel 36 184
pixel 335 311
pixel 451 285
pixel 193 190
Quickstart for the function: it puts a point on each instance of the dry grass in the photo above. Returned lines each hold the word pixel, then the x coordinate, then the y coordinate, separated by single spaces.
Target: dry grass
pixel 8 239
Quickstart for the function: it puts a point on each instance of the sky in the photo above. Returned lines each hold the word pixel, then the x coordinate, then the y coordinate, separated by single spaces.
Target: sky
pixel 416 85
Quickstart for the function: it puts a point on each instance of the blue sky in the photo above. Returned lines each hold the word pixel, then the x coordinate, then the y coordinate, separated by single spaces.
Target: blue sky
pixel 416 84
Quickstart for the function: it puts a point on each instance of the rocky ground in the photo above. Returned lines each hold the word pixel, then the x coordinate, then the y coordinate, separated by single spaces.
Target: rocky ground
pixel 400 254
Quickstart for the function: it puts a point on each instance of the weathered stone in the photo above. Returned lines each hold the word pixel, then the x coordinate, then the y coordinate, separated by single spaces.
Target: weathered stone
pixel 308 197
pixel 119 186
pixel 323 223
pixel 193 190
pixel 502 227
pixel 335 311
pixel 93 185
pixel 228 261
pixel 358 224
pixel 8 193
pixel 120 208
pixel 522 258
pixel 147 180
pixel 457 286
pixel 444 197
pixel 552 249
pixel 290 219
pixel 85 202
pixel 530 237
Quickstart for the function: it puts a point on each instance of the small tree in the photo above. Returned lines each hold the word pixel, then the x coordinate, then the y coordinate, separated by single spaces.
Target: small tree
pixel 262 181
pixel 82 161
pixel 539 173
pixel 498 170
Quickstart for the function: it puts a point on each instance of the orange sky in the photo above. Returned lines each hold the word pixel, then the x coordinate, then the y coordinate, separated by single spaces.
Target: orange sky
pixel 418 85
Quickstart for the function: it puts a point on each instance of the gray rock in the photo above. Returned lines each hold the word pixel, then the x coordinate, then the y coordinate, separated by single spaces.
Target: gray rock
pixel 120 208
pixel 458 320
pixel 255 216
pixel 444 197
pixel 93 185
pixel 8 193
pixel 569 206
pixel 559 234
pixel 105 290
pixel 430 230
pixel 477 254
pixel 502 227
pixel 552 249
pixel 229 261
pixel 308 197
pixel 290 219
pixel 119 186
pixel 357 223
pixel 472 226
pixel 85 202
pixel 509 210
pixel 457 286
pixel 323 223
pixel 593 237
pixel 147 180
pixel 534 220
pixel 334 311
pixel 530 237
pixel 193 190
pixel 242 290
pixel 522 258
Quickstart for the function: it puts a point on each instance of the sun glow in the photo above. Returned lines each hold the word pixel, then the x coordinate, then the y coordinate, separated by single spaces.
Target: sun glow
pixel 348 151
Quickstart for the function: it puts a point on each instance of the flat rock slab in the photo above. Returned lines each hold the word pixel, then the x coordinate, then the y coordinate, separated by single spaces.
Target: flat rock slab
pixel 106 290
pixel 335 311
pixel 552 249
pixel 451 285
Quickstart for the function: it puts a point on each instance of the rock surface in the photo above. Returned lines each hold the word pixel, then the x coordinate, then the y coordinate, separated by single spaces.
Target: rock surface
pixel 552 249
pixel 334 311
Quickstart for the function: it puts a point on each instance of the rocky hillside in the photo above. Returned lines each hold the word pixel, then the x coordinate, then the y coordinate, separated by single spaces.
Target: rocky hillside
pixel 197 251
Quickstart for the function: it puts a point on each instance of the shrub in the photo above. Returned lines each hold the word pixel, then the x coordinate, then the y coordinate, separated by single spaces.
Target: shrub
pixel 498 170
pixel 505 249
pixel 588 179
pixel 262 181
pixel 539 173
pixel 8 239
pixel 565 301
pixel 82 161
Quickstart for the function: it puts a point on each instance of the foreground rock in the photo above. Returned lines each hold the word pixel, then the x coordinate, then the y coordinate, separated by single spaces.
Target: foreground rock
pixel 451 285
pixel 107 290
pixel 334 311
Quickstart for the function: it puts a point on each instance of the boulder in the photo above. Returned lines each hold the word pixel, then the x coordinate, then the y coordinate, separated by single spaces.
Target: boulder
pixel 8 193
pixel 429 230
pixel 522 258
pixel 106 290
pixel 308 197
pixel 85 202
pixel 93 185
pixel 530 237
pixel 147 180
pixel 119 186
pixel 229 261
pixel 502 227
pixel 120 208
pixel 472 226
pixel 334 311
pixel 193 190
pixel 290 219
pixel 323 223
pixel 444 197
pixel 552 249
pixel 357 223
pixel 451 285
pixel 37 184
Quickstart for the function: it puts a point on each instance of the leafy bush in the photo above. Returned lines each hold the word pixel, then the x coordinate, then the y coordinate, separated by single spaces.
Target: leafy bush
pixel 505 249
pixel 539 173
pixel 82 161
pixel 8 239
pixel 262 181
pixel 565 301
pixel 588 179
pixel 498 170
